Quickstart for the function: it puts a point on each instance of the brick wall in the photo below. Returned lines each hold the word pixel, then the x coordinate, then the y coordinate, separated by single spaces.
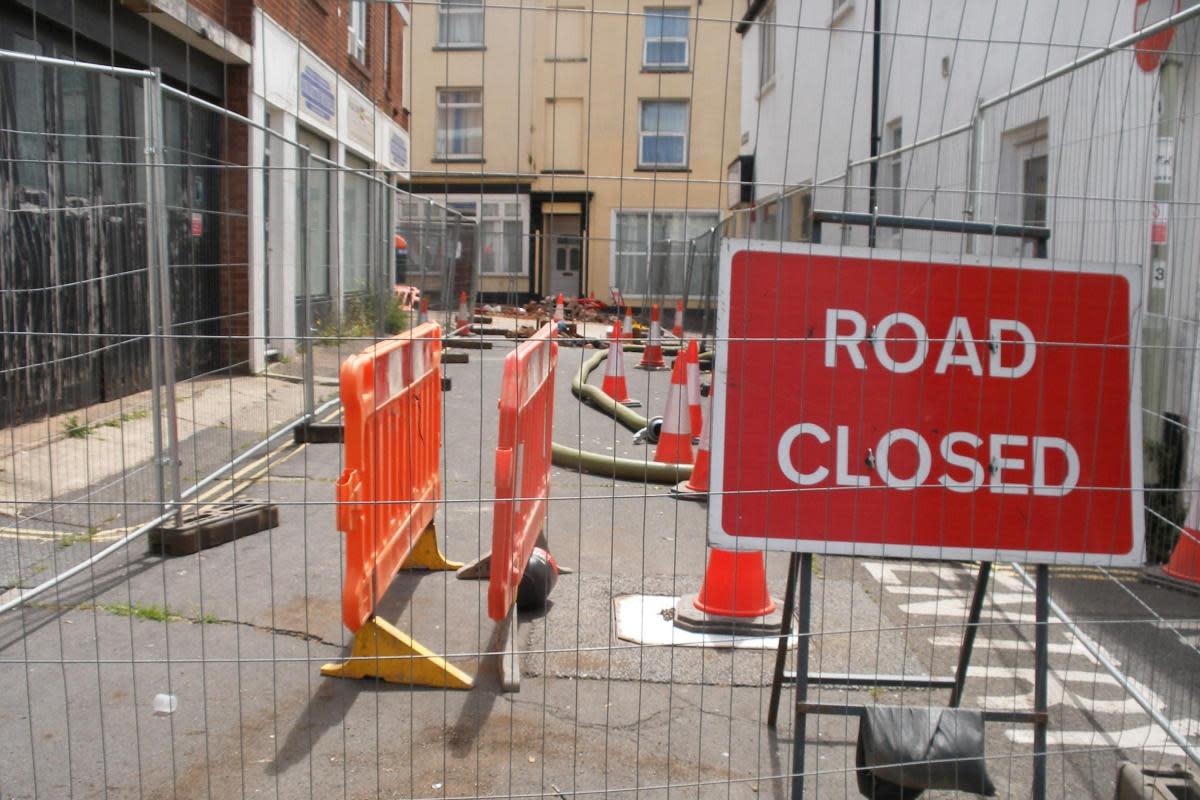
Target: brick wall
pixel 322 25
pixel 235 231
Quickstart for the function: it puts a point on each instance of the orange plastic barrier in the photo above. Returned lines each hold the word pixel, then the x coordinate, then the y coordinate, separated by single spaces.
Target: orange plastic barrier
pixel 522 464
pixel 392 406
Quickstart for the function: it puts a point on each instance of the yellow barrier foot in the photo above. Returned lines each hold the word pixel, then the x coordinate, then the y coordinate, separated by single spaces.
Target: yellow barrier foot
pixel 426 554
pixel 382 651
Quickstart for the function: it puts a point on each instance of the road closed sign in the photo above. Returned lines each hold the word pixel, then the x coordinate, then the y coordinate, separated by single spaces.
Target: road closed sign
pixel 876 404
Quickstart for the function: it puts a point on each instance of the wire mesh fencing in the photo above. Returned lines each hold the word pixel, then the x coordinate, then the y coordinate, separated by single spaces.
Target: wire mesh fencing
pixel 307 489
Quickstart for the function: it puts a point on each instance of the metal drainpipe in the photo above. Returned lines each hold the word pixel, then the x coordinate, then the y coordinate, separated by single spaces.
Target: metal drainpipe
pixel 1157 333
pixel 872 201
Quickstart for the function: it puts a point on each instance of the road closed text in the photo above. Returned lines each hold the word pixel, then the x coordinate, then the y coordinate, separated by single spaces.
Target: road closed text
pixel 960 461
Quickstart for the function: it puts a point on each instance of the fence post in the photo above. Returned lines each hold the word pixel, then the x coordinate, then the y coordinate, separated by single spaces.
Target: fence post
pixel 162 349
pixel 307 339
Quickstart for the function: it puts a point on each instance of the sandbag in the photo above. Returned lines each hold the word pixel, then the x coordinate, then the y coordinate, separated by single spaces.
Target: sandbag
pixel 904 750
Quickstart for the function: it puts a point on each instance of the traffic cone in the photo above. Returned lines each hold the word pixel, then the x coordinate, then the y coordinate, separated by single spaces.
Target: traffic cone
pixel 559 314
pixel 627 325
pixel 652 356
pixel 675 441
pixel 464 315
pixel 614 372
pixel 693 389
pixel 1185 558
pixel 678 329
pixel 696 486
pixel 733 597
pixel 423 312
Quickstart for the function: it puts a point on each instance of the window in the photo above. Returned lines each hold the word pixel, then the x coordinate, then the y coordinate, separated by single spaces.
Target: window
pixel 1024 183
pixel 358 30
pixel 766 48
pixel 356 238
pixel 316 228
pixel 502 221
pixel 460 23
pixel 652 248
pixel 501 237
pixel 666 44
pixel 662 140
pixel 460 123
pixel 1035 170
pixel 893 170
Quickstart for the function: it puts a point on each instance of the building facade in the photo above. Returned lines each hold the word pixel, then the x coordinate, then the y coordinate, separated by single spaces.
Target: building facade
pixel 327 80
pixel 580 136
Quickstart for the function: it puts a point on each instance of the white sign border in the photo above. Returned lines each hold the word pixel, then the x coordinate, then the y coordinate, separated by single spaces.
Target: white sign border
pixel 716 534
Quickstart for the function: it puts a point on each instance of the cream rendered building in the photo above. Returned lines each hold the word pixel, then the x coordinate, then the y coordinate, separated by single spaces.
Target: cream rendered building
pixel 580 134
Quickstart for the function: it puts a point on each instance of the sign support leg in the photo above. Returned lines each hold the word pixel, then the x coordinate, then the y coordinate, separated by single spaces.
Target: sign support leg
pixel 1041 668
pixel 968 642
pixel 785 632
pixel 799 729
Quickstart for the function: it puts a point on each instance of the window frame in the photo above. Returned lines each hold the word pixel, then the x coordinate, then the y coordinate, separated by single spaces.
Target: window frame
pixel 766 41
pixel 459 202
pixel 658 133
pixel 894 165
pixel 356 45
pixel 646 251
pixel 447 9
pixel 663 12
pixel 441 110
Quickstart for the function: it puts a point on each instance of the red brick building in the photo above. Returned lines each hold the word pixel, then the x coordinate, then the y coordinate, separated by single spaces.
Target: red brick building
pixel 326 76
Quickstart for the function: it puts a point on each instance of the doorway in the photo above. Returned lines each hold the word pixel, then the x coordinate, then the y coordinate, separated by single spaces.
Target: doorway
pixel 563 254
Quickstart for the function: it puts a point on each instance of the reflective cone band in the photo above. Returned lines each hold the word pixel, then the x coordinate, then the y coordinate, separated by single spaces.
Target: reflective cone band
pixel 423 313
pixel 614 373
pixel 627 326
pixel 693 389
pixel 464 316
pixel 678 329
pixel 735 585
pixel 559 314
pixel 652 356
pixel 675 440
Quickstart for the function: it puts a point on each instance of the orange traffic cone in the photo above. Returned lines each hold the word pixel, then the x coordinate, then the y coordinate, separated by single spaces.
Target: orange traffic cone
pixel 1185 558
pixel 559 314
pixel 464 315
pixel 652 356
pixel 696 486
pixel 693 389
pixel 675 440
pixel 614 372
pixel 423 313
pixel 733 597
pixel 678 329
pixel 627 325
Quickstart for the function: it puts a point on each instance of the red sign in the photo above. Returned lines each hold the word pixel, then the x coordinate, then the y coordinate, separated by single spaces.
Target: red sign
pixel 197 224
pixel 874 404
